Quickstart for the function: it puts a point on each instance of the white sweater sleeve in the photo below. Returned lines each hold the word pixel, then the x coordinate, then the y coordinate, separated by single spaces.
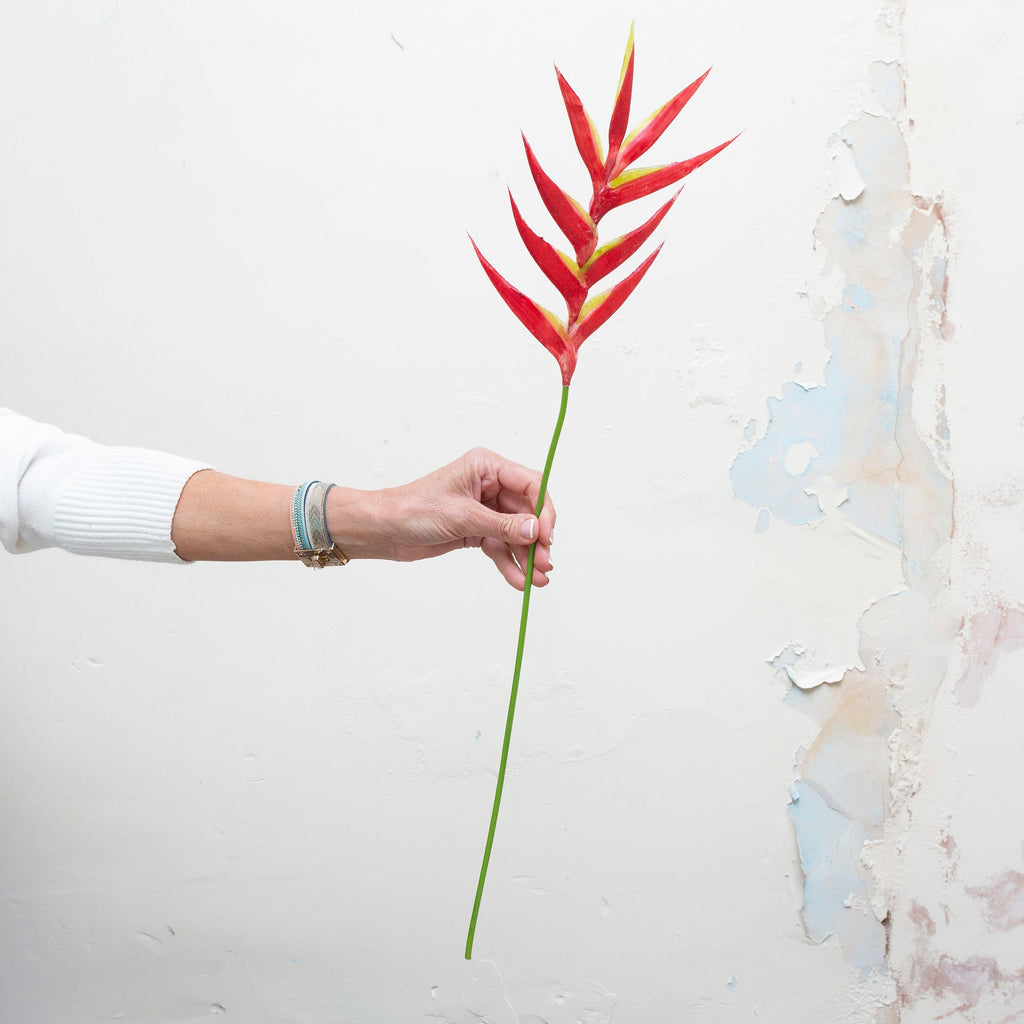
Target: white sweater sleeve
pixel 62 490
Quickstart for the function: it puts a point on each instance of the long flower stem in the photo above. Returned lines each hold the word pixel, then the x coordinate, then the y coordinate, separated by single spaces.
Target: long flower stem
pixel 515 681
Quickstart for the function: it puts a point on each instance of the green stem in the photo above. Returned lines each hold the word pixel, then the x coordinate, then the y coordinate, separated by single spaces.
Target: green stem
pixel 515 682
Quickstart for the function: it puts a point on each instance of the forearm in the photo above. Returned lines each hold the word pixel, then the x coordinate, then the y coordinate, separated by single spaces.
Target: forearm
pixel 224 518
pixel 227 519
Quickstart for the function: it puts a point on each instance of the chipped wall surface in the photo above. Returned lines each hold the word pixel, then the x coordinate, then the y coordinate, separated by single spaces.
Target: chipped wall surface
pixel 766 763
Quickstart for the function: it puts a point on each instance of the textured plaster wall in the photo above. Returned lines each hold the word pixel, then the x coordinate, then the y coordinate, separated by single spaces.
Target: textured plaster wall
pixel 958 851
pixel 766 763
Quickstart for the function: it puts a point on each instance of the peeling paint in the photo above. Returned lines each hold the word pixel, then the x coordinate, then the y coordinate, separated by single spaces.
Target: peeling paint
pixel 851 753
pixel 835 888
pixel 873 438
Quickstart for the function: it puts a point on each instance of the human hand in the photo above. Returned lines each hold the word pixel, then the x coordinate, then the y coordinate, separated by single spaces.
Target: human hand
pixel 480 500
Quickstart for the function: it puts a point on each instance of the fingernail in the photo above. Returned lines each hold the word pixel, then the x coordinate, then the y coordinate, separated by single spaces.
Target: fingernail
pixel 551 537
pixel 527 529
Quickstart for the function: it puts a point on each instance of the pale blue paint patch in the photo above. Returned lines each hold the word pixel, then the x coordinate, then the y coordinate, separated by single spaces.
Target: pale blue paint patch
pixel 846 770
pixel 856 299
pixel 759 475
pixel 874 505
pixel 835 893
pixel 851 419
pixel 815 703
pixel 851 222
pixel 787 657
pixel 887 85
pixel 764 520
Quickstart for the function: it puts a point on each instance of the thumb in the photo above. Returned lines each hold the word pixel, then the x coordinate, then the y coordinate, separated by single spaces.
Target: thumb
pixel 518 530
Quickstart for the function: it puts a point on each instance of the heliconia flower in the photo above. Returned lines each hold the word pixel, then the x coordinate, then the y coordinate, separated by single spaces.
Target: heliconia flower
pixel 613 184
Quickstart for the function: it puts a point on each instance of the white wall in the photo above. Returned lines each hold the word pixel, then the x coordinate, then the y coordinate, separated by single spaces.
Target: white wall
pixel 766 756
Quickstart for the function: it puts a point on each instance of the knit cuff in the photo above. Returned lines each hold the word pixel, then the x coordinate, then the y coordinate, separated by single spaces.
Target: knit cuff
pixel 121 504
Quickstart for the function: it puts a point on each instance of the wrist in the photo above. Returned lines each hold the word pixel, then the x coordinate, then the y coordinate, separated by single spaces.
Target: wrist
pixel 352 520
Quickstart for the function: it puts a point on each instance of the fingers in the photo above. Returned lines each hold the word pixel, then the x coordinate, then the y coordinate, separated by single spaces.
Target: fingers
pixel 518 491
pixel 511 490
pixel 541 559
pixel 515 531
pixel 512 563
pixel 509 487
pixel 498 511
pixel 547 520
pixel 513 503
pixel 506 563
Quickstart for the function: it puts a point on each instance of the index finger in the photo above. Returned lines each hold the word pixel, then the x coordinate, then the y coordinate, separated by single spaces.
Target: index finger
pixel 521 480
pixel 498 474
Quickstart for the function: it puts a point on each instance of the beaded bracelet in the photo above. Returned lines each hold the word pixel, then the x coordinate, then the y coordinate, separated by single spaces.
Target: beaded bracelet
pixel 313 544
